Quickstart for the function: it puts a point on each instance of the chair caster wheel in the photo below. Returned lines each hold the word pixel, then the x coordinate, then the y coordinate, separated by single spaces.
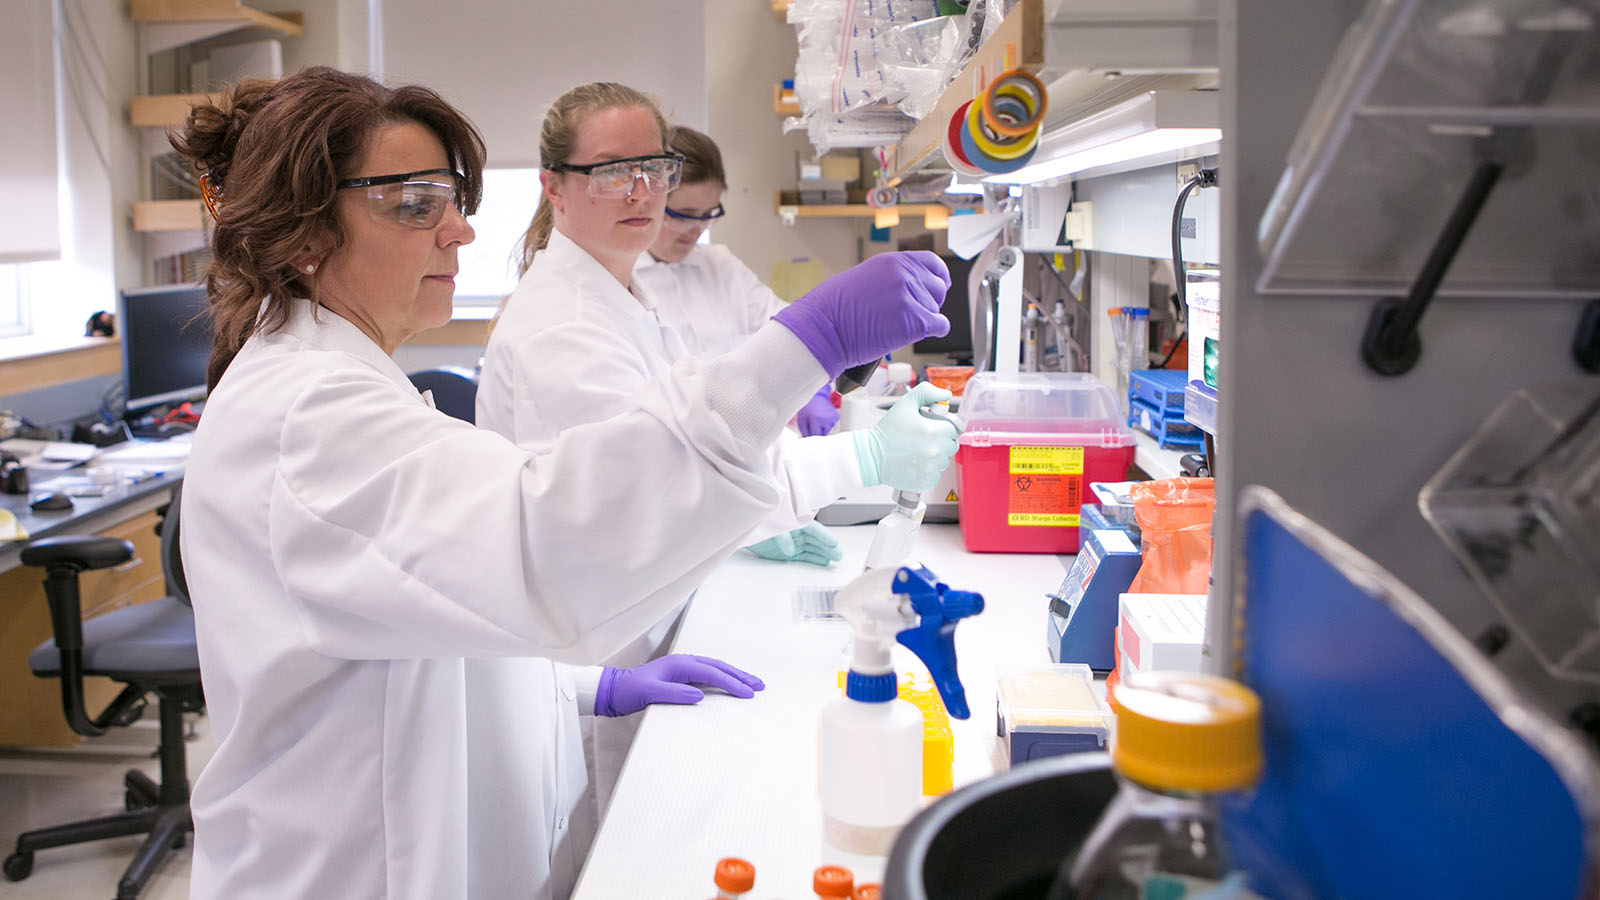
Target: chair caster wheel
pixel 18 866
pixel 132 801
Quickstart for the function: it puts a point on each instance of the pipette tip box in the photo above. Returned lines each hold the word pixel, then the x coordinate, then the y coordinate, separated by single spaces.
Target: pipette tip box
pixel 1051 710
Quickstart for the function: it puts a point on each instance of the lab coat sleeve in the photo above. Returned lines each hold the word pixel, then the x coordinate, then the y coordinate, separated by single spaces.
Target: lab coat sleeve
pixel 586 681
pixel 570 374
pixel 401 533
pixel 811 472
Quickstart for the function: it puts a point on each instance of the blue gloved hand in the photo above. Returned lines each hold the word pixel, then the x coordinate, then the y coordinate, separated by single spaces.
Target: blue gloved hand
pixel 668 680
pixel 818 415
pixel 867 310
pixel 809 544
pixel 906 450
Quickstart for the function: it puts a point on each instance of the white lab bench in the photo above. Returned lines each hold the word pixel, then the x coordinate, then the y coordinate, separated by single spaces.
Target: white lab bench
pixel 738 778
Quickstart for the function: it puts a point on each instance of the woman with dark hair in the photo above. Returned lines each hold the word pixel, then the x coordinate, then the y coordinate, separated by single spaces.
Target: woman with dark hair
pixel 350 550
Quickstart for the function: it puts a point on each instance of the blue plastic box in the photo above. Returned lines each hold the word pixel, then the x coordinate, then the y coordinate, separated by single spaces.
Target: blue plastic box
pixel 1169 431
pixel 1160 388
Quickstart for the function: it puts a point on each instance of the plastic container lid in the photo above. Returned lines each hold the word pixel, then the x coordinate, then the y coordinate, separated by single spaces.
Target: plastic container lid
pixel 867 892
pixel 735 875
pixel 1054 696
pixel 1182 731
pixel 832 881
pixel 1047 408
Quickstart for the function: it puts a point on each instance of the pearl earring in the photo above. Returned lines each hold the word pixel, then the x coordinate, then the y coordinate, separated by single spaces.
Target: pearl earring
pixel 310 267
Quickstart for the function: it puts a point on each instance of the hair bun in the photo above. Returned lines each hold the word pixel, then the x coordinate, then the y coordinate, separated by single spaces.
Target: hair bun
pixel 211 132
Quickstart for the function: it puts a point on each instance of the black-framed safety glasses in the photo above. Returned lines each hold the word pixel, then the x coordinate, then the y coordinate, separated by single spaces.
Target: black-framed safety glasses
pixel 414 199
pixel 614 178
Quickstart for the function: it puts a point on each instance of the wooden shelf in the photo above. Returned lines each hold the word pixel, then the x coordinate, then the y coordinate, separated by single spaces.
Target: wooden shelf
pixel 782 107
pixel 1017 43
pixel 170 12
pixel 161 110
pixel 169 215
pixel 934 215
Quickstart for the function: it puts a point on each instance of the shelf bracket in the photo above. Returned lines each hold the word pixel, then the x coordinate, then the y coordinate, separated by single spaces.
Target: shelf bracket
pixel 1391 345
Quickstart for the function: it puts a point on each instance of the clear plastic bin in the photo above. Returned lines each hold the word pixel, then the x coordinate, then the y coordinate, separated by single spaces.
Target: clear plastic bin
pixel 1421 93
pixel 1519 506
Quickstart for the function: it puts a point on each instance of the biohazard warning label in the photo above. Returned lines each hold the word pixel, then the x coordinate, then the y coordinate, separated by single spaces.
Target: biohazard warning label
pixel 1045 487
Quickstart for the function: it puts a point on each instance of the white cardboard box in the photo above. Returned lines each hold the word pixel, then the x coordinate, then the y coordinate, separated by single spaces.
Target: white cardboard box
pixel 1160 632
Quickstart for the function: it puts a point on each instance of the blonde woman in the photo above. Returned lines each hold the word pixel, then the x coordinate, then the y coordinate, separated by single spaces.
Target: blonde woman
pixel 579 338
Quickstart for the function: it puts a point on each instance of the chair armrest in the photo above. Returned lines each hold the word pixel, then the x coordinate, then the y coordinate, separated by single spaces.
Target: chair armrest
pixel 82 552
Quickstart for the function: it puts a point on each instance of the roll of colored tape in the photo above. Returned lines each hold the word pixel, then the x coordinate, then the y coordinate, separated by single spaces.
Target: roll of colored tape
pixel 1012 108
pixel 952 144
pixel 992 166
pixel 883 197
pixel 986 143
pixel 1025 83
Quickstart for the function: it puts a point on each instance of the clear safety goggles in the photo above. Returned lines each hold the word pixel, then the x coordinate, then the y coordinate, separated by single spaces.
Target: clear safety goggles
pixel 683 221
pixel 614 178
pixel 414 199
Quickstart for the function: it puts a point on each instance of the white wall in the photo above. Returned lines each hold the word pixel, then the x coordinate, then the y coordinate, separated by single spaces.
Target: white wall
pixel 503 63
pixel 747 51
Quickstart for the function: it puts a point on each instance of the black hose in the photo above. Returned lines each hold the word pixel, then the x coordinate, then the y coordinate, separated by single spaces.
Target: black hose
pixel 1205 178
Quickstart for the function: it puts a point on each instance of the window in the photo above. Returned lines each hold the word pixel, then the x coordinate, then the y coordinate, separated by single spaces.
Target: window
pixel 13 301
pixel 488 264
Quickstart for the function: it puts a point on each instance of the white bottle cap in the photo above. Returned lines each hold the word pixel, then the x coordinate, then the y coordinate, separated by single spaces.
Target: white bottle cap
pixel 900 373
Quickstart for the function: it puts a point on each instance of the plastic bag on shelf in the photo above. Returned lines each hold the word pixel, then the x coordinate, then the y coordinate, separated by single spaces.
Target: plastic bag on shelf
pixel 917 61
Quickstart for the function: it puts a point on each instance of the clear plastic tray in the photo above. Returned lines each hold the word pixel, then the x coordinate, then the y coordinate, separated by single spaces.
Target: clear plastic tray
pixel 1420 93
pixel 1051 697
pixel 1519 506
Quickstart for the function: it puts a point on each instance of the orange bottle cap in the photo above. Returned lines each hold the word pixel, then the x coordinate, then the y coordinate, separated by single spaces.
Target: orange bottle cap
pixel 867 892
pixel 734 875
pixel 832 881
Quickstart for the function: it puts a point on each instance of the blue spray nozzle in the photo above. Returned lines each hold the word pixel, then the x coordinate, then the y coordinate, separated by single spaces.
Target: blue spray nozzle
pixel 933 640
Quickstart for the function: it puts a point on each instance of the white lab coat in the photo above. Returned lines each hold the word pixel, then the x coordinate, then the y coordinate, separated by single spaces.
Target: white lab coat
pixel 710 297
pixel 573 346
pixel 348 549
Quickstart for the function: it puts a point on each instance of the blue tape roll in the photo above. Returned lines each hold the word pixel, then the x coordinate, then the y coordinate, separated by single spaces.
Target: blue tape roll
pixel 993 166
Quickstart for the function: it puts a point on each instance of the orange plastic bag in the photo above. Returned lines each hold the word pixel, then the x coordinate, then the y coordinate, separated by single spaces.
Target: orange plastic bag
pixel 1175 535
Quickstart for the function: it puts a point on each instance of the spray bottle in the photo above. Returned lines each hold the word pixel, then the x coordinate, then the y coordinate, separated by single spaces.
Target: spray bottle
pixel 871 745
pixel 896 533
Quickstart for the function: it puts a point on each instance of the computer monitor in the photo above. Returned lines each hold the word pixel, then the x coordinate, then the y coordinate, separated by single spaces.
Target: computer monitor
pixel 164 345
pixel 958 342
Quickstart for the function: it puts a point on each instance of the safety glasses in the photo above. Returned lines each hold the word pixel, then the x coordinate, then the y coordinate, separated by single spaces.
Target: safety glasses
pixel 614 178
pixel 684 221
pixel 414 199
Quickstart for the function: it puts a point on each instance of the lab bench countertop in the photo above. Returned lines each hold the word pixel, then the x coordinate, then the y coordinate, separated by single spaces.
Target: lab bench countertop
pixel 91 512
pixel 731 777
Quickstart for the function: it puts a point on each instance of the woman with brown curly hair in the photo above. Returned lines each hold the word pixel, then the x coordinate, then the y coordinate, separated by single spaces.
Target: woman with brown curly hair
pixel 349 550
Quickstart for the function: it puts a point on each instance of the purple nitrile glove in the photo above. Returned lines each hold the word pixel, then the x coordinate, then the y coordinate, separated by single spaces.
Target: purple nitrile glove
pixel 866 311
pixel 818 415
pixel 669 680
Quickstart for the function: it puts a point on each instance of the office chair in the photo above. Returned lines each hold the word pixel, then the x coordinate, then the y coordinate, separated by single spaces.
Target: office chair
pixel 149 648
pixel 455 390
